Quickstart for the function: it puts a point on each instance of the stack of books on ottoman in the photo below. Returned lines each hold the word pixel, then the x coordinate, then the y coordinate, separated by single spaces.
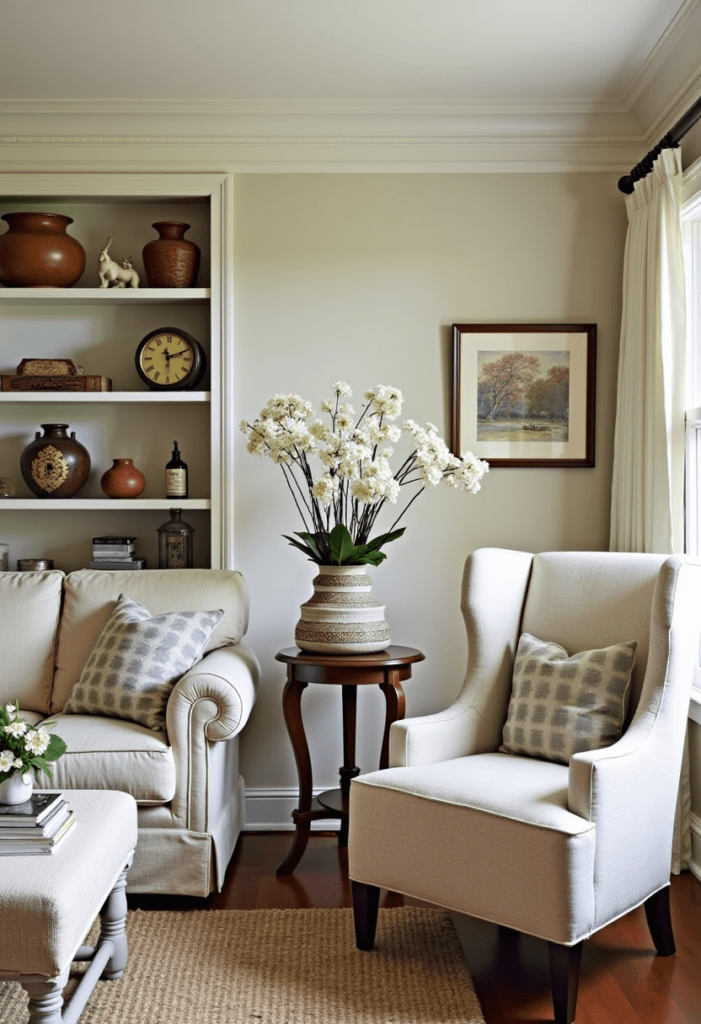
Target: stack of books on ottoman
pixel 35 827
pixel 115 553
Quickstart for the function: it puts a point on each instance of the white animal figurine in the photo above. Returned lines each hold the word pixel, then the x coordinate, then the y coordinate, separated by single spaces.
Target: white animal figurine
pixel 111 274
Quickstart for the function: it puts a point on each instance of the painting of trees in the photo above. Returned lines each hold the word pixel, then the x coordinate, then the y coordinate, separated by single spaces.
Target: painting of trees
pixel 549 397
pixel 523 395
pixel 503 383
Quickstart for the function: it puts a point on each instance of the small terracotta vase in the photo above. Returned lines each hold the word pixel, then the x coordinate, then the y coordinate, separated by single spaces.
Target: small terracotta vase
pixel 123 480
pixel 37 253
pixel 55 465
pixel 171 261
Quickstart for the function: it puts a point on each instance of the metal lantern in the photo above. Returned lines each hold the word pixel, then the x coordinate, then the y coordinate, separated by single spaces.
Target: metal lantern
pixel 175 543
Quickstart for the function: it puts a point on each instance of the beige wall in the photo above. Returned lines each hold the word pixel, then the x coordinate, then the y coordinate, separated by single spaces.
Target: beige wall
pixel 359 277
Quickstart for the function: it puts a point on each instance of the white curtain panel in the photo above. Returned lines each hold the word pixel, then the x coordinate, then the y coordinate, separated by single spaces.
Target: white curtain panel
pixel 647 496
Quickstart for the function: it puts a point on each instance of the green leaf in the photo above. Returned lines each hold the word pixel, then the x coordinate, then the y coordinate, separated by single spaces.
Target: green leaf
pixel 302 547
pixel 385 538
pixel 372 558
pixel 55 749
pixel 312 539
pixel 341 545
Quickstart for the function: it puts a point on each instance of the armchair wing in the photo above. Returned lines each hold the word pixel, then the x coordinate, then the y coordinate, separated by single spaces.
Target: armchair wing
pixel 629 790
pixel 492 613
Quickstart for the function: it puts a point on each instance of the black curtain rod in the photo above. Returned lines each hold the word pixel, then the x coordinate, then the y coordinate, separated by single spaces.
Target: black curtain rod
pixel 670 141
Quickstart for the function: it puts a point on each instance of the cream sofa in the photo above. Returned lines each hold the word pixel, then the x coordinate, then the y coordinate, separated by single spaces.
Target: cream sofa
pixel 186 780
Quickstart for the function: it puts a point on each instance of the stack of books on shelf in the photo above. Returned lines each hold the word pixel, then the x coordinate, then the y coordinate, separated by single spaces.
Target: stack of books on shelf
pixel 36 827
pixel 115 553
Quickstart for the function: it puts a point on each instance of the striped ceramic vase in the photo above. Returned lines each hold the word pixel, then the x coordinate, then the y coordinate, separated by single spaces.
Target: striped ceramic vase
pixel 342 617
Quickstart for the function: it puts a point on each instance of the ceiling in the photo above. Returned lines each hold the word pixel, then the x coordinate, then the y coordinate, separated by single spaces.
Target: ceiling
pixel 492 52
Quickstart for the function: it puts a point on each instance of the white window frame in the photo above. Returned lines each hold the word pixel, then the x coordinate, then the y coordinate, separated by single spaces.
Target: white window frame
pixel 691 225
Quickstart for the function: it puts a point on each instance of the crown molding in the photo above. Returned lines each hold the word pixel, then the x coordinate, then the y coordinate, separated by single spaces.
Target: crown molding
pixel 660 53
pixel 327 135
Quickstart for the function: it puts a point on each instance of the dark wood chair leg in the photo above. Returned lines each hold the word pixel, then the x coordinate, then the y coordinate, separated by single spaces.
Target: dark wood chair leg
pixel 565 962
pixel 659 921
pixel 366 903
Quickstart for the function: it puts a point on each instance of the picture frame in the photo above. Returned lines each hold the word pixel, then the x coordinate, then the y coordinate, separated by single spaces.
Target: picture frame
pixel 524 395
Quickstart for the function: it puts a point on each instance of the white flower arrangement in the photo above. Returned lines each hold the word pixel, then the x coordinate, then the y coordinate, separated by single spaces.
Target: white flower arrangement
pixel 340 504
pixel 25 747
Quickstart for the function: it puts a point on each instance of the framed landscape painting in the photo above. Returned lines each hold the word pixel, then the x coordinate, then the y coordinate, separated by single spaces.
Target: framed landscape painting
pixel 524 394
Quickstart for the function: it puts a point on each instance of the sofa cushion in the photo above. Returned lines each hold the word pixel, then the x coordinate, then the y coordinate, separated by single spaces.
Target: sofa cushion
pixel 563 705
pixel 108 753
pixel 137 660
pixel 90 597
pixel 30 606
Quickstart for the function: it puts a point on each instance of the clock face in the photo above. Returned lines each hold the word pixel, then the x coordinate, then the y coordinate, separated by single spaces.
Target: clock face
pixel 170 358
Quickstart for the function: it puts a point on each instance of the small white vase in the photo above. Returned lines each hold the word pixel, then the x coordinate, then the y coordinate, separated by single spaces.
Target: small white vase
pixel 342 617
pixel 17 789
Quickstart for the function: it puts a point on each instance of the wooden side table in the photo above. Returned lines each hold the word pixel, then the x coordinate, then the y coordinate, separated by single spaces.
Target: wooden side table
pixel 386 669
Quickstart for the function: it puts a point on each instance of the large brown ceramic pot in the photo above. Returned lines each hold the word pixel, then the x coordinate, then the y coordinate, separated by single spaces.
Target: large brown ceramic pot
pixel 37 253
pixel 55 465
pixel 171 261
pixel 123 480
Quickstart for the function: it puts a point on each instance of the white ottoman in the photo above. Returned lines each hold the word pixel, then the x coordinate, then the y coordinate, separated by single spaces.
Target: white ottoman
pixel 48 904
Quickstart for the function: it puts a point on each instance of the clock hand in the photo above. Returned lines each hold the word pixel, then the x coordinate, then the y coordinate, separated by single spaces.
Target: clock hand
pixel 183 352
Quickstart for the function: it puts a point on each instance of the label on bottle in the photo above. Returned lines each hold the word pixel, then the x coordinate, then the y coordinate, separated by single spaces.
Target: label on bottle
pixel 176 483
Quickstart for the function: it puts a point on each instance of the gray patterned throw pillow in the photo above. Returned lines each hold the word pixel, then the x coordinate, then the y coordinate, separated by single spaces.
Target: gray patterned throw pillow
pixel 562 705
pixel 137 660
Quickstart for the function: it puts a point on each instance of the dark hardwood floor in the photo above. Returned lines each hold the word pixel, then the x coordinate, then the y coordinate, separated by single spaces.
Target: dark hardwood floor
pixel 622 981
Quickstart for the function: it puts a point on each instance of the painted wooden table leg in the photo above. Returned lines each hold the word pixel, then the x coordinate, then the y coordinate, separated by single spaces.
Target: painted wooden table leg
pixel 292 709
pixel 350 768
pixel 45 999
pixel 113 927
pixel 396 706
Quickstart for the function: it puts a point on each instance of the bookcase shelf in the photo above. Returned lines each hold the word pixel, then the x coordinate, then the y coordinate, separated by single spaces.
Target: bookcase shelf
pixel 83 504
pixel 105 296
pixel 101 329
pixel 103 397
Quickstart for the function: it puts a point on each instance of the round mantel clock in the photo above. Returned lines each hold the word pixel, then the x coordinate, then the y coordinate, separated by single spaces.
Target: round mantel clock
pixel 170 359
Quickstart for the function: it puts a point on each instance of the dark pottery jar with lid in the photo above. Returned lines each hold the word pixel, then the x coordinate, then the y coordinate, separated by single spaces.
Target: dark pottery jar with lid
pixel 55 465
pixel 175 542
pixel 171 260
pixel 37 253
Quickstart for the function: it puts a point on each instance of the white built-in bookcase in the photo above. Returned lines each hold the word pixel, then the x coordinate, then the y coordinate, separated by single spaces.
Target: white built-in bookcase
pixel 101 329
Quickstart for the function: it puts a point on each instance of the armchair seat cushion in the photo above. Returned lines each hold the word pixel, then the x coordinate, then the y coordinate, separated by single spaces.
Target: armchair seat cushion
pixel 498 835
pixel 109 753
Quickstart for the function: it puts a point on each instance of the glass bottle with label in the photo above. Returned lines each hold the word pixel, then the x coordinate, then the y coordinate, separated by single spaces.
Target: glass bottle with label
pixel 176 475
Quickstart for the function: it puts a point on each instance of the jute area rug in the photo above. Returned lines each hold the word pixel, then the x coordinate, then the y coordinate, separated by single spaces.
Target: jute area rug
pixel 280 967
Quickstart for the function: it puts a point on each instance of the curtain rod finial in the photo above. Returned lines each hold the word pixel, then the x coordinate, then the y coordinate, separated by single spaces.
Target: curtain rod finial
pixel 626 184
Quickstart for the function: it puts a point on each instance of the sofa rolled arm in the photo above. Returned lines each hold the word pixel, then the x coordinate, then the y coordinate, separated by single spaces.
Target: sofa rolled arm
pixel 228 680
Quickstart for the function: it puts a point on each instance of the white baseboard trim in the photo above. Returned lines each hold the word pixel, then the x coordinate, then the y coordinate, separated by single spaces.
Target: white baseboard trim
pixel 695 863
pixel 270 810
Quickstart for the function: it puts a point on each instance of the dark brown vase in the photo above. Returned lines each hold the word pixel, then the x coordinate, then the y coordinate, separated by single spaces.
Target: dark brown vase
pixel 123 480
pixel 171 261
pixel 37 253
pixel 55 465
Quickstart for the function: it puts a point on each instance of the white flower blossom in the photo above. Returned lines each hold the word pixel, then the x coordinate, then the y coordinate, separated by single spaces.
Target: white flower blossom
pixel 11 709
pixel 17 728
pixel 37 742
pixel 7 760
pixel 386 400
pixel 353 456
pixel 325 489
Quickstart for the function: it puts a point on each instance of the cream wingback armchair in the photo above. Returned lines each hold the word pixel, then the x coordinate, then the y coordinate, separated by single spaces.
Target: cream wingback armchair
pixel 553 850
